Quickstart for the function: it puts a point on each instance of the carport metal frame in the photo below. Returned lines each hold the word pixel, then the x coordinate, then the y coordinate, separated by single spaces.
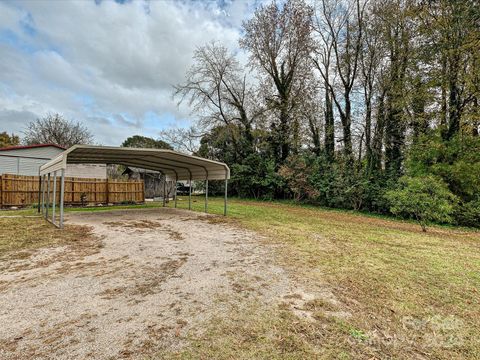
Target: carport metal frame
pixel 173 165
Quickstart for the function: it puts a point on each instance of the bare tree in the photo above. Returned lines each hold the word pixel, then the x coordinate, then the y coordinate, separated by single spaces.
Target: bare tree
pixel 55 129
pixel 279 40
pixel 312 117
pixel 344 21
pixel 371 56
pixel 216 88
pixel 186 140
pixel 322 58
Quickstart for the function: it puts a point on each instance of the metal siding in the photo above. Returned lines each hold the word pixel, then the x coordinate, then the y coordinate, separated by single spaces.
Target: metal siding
pixel 98 171
pixel 8 165
pixel 30 166
pixel 24 161
pixel 42 152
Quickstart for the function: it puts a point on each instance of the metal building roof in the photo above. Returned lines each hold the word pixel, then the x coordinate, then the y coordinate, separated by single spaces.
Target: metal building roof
pixel 22 147
pixel 174 164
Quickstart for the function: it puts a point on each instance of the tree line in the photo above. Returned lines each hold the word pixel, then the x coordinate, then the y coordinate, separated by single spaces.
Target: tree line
pixel 349 104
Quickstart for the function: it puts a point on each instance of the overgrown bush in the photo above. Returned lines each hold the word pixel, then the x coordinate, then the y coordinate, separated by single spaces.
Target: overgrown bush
pixel 296 174
pixel 456 161
pixel 423 198
pixel 468 213
pixel 256 178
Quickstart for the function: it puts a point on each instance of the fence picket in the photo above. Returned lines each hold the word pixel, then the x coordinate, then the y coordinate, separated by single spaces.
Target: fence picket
pixel 20 190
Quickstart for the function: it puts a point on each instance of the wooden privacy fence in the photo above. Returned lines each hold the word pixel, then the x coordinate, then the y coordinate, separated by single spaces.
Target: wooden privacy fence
pixel 19 190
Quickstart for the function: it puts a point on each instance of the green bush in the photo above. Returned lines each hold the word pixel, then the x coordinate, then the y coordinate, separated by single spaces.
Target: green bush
pixel 423 198
pixel 257 178
pixel 468 214
pixel 456 161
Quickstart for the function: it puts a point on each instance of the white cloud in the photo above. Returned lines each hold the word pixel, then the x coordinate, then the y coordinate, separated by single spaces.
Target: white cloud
pixel 110 61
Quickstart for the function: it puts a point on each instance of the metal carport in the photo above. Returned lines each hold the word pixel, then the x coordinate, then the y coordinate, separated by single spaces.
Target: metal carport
pixel 174 165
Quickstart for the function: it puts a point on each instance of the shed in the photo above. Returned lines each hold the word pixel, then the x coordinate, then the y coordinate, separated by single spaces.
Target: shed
pixel 153 181
pixel 26 160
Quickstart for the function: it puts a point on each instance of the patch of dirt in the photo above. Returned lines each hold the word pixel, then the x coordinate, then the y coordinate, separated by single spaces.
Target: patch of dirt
pixel 312 307
pixel 154 276
pixel 134 224
pixel 145 224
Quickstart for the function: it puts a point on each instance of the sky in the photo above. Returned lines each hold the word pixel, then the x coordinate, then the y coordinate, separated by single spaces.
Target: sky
pixel 110 65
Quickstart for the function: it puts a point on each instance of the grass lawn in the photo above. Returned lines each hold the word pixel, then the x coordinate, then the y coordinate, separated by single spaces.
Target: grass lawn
pixel 411 294
pixel 407 294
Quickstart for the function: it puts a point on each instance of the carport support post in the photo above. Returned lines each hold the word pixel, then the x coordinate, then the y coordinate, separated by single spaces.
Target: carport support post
pixel 48 196
pixel 176 181
pixel 225 199
pixel 39 190
pixel 190 193
pixel 43 194
pixel 164 188
pixel 62 190
pixel 206 195
pixel 54 200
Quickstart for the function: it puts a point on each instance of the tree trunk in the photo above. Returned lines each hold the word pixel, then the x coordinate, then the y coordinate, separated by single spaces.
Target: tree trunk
pixel 315 133
pixel 347 131
pixel 368 125
pixel 375 159
pixel 454 101
pixel 394 138
pixel 284 137
pixel 329 126
pixel 420 124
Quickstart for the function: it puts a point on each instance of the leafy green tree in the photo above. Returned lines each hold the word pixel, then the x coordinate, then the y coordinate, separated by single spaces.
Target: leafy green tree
pixel 8 140
pixel 425 199
pixel 456 161
pixel 138 141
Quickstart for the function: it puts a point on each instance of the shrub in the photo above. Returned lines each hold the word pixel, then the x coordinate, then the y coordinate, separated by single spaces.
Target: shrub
pixel 468 214
pixel 296 174
pixel 423 198
pixel 257 178
pixel 456 161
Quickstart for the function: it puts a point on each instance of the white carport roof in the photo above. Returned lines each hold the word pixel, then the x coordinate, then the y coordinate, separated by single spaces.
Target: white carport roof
pixel 172 163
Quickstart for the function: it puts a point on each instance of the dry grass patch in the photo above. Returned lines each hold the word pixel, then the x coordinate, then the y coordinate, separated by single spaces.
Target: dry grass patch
pixel 149 283
pixel 21 235
pixel 145 225
pixel 254 331
pixel 152 281
pixel 134 224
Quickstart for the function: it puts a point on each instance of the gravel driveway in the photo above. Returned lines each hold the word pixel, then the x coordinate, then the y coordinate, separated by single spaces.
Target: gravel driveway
pixel 151 277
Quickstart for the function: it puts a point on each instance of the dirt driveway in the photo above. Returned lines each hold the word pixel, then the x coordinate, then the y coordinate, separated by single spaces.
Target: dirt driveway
pixel 152 277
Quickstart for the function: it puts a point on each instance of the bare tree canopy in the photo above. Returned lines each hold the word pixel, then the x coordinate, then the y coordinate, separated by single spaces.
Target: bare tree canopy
pixel 279 40
pixel 55 129
pixel 217 89
pixel 186 140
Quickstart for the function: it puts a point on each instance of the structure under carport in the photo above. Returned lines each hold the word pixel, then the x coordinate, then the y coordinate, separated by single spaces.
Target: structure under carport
pixel 175 166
